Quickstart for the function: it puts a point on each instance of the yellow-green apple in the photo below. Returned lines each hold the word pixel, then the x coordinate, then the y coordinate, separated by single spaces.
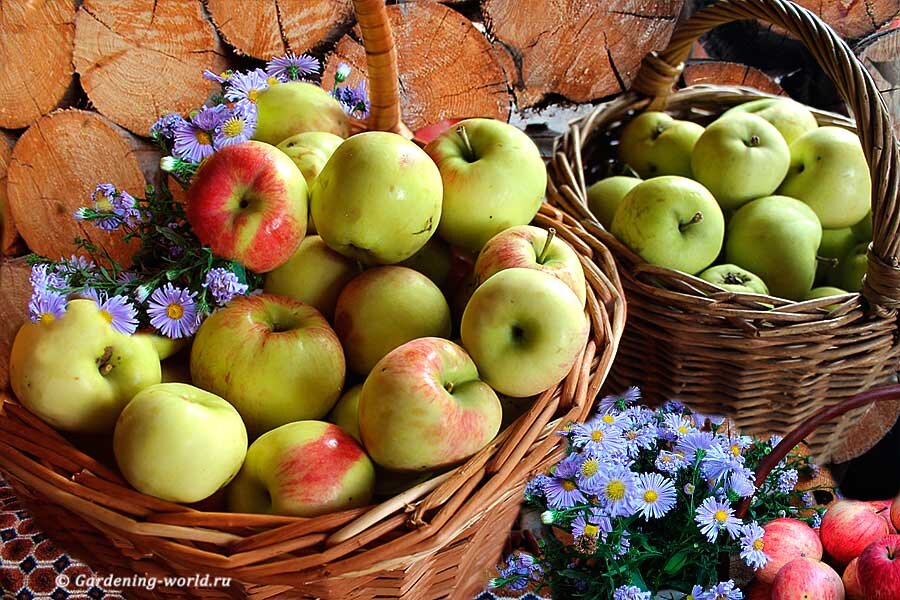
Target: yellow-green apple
pixel 734 279
pixel 314 275
pixel 345 413
pixel 655 144
pixel 378 198
pixel 275 359
pixel 673 222
pixel 524 329
pixel 605 196
pixel 179 443
pixel 825 291
pixel 850 578
pixel 304 469
pixel 835 245
pixel 248 202
pixel 785 540
pixel 807 579
pixel 848 526
pixel 286 109
pixel 386 307
pixel 493 177
pixel 76 372
pixel 789 117
pixel 863 229
pixel 852 268
pixel 879 569
pixel 164 346
pixel 776 237
pixel 434 260
pixel 423 406
pixel 310 151
pixel 740 158
pixel 828 171
pixel 531 247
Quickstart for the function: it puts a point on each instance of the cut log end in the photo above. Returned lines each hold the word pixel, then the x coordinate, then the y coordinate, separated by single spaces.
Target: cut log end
pixel 13 308
pixel 9 238
pixel 36 40
pixel 729 73
pixel 853 19
pixel 880 54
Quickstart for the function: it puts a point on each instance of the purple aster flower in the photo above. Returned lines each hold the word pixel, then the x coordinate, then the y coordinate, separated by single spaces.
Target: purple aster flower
pixel 774 440
pixel 598 436
pixel 173 312
pixel 701 419
pixel 237 127
pixel 630 592
pixel 637 438
pixel 654 495
pixel 126 277
pixel 695 594
pixel 223 285
pixel 353 100
pixel 125 206
pixel 520 568
pixel 689 489
pixel 787 481
pixel 616 487
pixel 535 486
pixel 718 464
pixel 595 525
pixel 673 407
pixel 741 482
pixel 194 139
pixel 561 490
pixel 679 425
pixel 46 307
pixel 342 72
pixel 722 591
pixel 246 86
pixel 670 462
pixel 624 544
pixel 292 67
pixel 73 265
pixel 694 442
pixel 221 78
pixel 808 499
pixel 619 402
pixel 752 546
pixel 589 467
pixel 102 197
pixel 118 312
pixel 815 521
pixel 713 516
pixel 44 280
pixel 166 125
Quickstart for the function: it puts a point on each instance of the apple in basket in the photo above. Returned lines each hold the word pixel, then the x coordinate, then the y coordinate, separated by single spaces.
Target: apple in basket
pixel 734 279
pixel 248 202
pixel 286 109
pixel 310 151
pixel 852 585
pixel 275 359
pixel 879 569
pixel 179 443
pixel 789 117
pixel 853 268
pixel 655 144
pixel 605 196
pixel 785 540
pixel 493 178
pixel 807 579
pixel 435 260
pixel 532 248
pixel 306 468
pixel 345 413
pixel 424 406
pixel 848 526
pixel 76 372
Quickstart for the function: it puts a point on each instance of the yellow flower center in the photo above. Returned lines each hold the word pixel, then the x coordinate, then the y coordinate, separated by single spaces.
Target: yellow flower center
pixel 591 530
pixel 615 490
pixel 568 485
pixel 650 496
pixel 46 317
pixel 202 137
pixel 735 450
pixel 106 316
pixel 104 204
pixel 597 435
pixel 589 468
pixel 225 75
pixel 272 81
pixel 721 516
pixel 174 311
pixel 758 544
pixel 252 95
pixel 609 419
pixel 665 459
pixel 233 127
pixel 682 429
pixel 631 435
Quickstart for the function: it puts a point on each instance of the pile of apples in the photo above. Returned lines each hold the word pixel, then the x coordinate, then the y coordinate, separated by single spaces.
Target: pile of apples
pixel 859 538
pixel 776 203
pixel 342 372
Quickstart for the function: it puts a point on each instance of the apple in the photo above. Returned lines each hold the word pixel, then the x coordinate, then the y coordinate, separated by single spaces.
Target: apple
pixel 776 237
pixel 345 413
pixel 531 247
pixel 863 229
pixel 524 329
pixel 179 443
pixel 825 291
pixel 895 513
pixel 286 109
pixel 789 117
pixel 853 267
pixel 835 245
pixel 655 144
pixel 386 307
pixel 828 171
pixel 275 359
pixel 434 260
pixel 164 346
pixel 673 222
pixel 605 196
pixel 883 508
pixel 310 151
pixel 785 540
pixel 734 279
pixel 378 198
pixel 848 526
pixel 852 586
pixel 493 177
pixel 248 202
pixel 314 275
pixel 303 469
pixel 807 579
pixel 879 569
pixel 423 406
pixel 76 372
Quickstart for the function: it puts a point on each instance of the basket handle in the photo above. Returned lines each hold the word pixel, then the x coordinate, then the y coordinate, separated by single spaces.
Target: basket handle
pixel 790 441
pixel 381 61
pixel 660 71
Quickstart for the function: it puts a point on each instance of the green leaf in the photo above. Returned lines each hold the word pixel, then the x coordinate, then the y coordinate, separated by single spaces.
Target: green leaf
pixel 638 580
pixel 677 562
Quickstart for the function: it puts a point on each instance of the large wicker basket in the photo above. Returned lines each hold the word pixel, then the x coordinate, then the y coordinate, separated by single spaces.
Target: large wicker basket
pixel 439 539
pixel 765 362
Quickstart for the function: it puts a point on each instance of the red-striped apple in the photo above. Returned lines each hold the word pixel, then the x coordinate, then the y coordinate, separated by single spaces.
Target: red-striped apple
pixel 879 569
pixel 807 579
pixel 848 526
pixel 785 540
pixel 852 586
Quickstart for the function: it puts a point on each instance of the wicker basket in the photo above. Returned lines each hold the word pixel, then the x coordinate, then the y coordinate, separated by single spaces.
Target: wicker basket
pixel 765 362
pixel 439 539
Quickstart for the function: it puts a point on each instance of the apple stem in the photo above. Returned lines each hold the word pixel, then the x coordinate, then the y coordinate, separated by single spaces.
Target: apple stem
pixel 551 233
pixel 754 141
pixel 697 218
pixel 629 171
pixel 831 262
pixel 103 363
pixel 470 152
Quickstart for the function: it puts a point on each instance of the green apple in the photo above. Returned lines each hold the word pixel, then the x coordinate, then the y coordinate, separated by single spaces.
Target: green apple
pixel 777 238
pixel 835 245
pixel 673 222
pixel 179 443
pixel 434 260
pixel 275 359
pixel 734 279
pixel 345 413
pixel 310 151
pixel 825 292
pixel 532 248
pixel 77 373
pixel 863 229
pixel 386 307
pixel 829 172
pixel 424 406
pixel 164 346
pixel 493 177
pixel 740 158
pixel 314 275
pixel 524 329
pixel 303 469
pixel 656 144
pixel 605 196
pixel 286 109
pixel 789 117
pixel 378 199
pixel 853 268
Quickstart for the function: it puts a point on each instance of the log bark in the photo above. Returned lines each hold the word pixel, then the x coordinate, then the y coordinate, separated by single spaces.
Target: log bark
pixel 728 73
pixel 266 28
pixel 9 238
pixel 581 50
pixel 36 40
pixel 447 69
pixel 13 308
pixel 142 58
pixel 55 166
pixel 853 19
pixel 880 53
